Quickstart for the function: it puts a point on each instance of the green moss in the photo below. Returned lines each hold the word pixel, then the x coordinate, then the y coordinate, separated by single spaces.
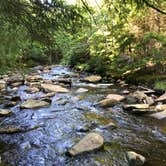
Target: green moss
pixel 160 85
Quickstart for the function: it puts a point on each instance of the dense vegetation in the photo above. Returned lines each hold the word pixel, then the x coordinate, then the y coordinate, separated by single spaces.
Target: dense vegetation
pixel 119 38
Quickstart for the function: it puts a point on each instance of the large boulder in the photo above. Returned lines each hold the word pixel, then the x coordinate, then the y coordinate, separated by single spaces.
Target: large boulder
pixel 5 112
pixel 54 88
pixel 92 78
pixel 34 104
pixel 135 159
pixel 90 142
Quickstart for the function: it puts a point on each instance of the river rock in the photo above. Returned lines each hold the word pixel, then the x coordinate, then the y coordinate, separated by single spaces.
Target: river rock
pixel 161 107
pixel 15 129
pixel 5 112
pixel 90 142
pixel 92 78
pixel 51 94
pixel 136 106
pixel 2 84
pixel 111 100
pixel 54 88
pixel 135 159
pixel 159 115
pixel 162 98
pixel 116 97
pixel 34 104
pixel 33 78
pixel 16 84
pixel 107 102
pixel 82 90
pixel 32 90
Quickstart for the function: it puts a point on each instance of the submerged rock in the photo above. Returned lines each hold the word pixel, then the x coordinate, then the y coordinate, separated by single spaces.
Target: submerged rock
pixel 135 159
pixel 5 112
pixel 34 104
pixel 159 115
pixel 92 78
pixel 90 142
pixel 54 88
pixel 15 129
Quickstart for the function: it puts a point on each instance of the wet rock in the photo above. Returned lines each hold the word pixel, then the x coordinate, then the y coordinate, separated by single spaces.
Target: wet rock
pixel 146 90
pixel 15 129
pixel 125 92
pixel 32 90
pixel 18 79
pixel 107 102
pixel 25 145
pixel 51 94
pixel 82 90
pixel 91 85
pixel 161 107
pixel 111 100
pixel 15 98
pixel 5 112
pixel 34 84
pixel 142 97
pixel 2 84
pixel 83 108
pixel 0 160
pixel 115 97
pixel 92 79
pixel 34 104
pixel 63 102
pixel 159 115
pixel 135 159
pixel 111 125
pixel 136 106
pixel 84 128
pixel 16 84
pixel 37 68
pixel 34 78
pixel 54 88
pixel 10 104
pixel 90 142
pixel 162 98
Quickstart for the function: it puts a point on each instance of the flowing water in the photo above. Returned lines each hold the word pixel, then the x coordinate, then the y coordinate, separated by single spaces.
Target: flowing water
pixel 57 128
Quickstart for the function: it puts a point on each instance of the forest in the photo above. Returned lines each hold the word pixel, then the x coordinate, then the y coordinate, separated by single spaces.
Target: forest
pixel 82 75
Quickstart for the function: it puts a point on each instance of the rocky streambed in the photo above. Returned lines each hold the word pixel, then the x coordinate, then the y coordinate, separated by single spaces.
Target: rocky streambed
pixel 57 117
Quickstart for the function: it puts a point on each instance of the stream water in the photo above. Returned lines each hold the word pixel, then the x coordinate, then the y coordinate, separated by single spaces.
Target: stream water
pixel 58 128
